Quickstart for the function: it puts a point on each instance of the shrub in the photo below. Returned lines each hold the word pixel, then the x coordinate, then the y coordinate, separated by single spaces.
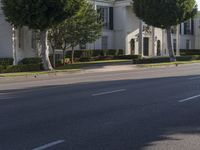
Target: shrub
pixel 151 60
pixel 22 68
pixel 94 53
pixel 128 57
pixel 6 61
pixel 121 52
pixel 86 59
pixel 190 52
pixel 2 68
pixel 104 58
pixel 34 60
pixel 165 59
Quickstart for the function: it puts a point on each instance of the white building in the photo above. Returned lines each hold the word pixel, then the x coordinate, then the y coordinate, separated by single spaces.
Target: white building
pixel 121 31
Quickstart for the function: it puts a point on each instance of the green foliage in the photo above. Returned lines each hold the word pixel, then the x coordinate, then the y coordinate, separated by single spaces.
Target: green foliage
pixel 128 57
pixel 34 60
pixel 20 68
pixel 6 61
pixel 165 59
pixel 190 52
pixel 95 53
pixel 38 14
pixel 82 28
pixel 165 13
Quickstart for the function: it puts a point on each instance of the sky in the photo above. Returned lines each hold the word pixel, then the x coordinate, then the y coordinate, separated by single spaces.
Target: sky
pixel 198 3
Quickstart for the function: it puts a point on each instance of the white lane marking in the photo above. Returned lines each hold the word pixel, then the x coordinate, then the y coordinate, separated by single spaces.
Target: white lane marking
pixel 49 145
pixel 109 92
pixel 193 78
pixel 190 98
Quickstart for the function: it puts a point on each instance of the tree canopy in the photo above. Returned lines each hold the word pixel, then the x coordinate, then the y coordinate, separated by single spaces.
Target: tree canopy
pixel 164 13
pixel 84 27
pixel 38 14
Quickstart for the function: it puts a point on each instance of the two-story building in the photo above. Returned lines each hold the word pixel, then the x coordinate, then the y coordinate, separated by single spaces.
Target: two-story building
pixel 121 30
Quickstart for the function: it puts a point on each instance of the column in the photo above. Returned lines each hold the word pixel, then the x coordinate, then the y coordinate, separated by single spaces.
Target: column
pixel 153 41
pixel 178 40
pixel 140 38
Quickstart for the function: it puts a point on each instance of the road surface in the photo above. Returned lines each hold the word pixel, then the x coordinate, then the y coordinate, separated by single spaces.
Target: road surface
pixel 145 109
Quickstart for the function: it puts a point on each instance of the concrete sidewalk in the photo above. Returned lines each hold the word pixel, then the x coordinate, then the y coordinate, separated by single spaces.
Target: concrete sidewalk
pixel 97 68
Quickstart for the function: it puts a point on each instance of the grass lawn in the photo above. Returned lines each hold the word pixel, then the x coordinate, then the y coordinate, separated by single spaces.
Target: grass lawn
pixel 78 66
pixel 168 63
pixel 67 68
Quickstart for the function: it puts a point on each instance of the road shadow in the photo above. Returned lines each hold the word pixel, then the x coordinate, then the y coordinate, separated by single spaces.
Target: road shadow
pixel 146 116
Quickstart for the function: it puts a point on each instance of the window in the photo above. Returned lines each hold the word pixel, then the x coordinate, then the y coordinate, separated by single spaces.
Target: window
pixel 174 30
pixel 158 48
pixel 104 42
pixel 20 38
pixel 34 40
pixel 174 44
pixel 187 44
pixel 187 27
pixel 82 46
pixel 106 14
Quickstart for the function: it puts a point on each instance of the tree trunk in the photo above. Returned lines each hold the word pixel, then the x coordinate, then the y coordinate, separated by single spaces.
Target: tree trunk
pixel 72 56
pixel 140 38
pixel 169 45
pixel 14 46
pixel 64 57
pixel 54 57
pixel 153 42
pixel 45 50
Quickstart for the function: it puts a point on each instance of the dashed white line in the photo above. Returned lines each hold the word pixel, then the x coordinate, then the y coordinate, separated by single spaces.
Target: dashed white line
pixel 49 145
pixel 188 99
pixel 109 92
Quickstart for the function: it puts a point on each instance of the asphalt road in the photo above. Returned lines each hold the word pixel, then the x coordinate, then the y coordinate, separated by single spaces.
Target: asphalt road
pixel 145 109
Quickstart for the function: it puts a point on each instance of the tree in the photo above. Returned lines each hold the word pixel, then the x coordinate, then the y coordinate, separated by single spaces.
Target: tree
pixel 39 15
pixel 165 14
pixel 84 27
pixel 55 40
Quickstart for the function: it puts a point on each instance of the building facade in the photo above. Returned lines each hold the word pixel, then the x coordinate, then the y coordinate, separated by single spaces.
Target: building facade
pixel 121 30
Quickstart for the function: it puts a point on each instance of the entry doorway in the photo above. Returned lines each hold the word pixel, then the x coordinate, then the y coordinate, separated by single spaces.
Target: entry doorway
pixel 146 46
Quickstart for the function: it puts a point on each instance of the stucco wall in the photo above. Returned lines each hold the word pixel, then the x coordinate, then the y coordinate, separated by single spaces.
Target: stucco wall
pixel 5 37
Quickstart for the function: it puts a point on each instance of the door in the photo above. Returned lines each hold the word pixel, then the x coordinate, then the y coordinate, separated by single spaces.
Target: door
pixel 146 46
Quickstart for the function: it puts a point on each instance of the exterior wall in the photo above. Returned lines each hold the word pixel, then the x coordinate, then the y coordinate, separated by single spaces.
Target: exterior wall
pixel 5 37
pixel 6 49
pixel 26 50
pixel 197 32
pixel 125 29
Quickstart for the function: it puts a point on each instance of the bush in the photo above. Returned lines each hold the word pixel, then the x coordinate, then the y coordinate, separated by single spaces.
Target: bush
pixel 6 61
pixel 94 53
pixel 104 58
pixel 165 59
pixel 128 57
pixel 21 68
pixel 86 59
pixel 2 68
pixel 190 52
pixel 34 60
pixel 151 60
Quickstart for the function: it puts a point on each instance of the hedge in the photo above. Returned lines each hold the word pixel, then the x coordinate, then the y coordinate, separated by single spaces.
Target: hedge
pixel 94 53
pixel 20 68
pixel 33 60
pixel 165 59
pixel 190 52
pixel 6 61
pixel 128 57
